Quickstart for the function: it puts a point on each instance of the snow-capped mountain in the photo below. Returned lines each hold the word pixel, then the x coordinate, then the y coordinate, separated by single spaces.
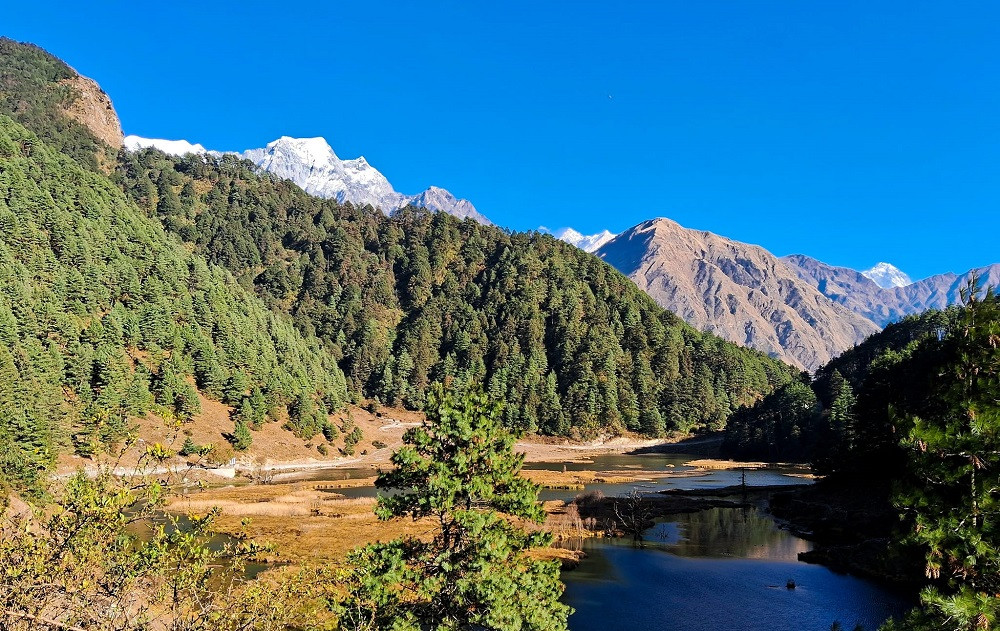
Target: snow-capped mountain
pixel 887 275
pixel 587 243
pixel 312 164
pixel 173 147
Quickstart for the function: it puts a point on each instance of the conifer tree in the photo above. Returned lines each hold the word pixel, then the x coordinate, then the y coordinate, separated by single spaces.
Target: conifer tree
pixel 241 438
pixel 459 470
pixel 954 443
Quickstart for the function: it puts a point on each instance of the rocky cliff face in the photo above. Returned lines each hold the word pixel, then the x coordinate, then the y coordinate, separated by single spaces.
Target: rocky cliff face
pixel 92 108
pixel 62 107
pixel 738 291
pixel 846 287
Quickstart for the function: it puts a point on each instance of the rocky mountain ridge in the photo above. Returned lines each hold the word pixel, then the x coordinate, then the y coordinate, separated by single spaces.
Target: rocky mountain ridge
pixel 740 292
pixel 313 165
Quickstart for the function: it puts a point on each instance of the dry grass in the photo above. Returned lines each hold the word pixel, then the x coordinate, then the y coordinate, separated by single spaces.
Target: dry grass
pixel 302 522
pixel 272 444
pixel 576 480
pixel 305 523
pixel 714 464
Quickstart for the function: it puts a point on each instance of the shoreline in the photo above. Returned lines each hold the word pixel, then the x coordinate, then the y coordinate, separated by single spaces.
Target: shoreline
pixel 535 449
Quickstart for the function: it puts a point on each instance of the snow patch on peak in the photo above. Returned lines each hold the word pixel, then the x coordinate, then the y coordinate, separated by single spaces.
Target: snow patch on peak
pixel 440 200
pixel 172 147
pixel 587 243
pixel 887 276
pixel 311 150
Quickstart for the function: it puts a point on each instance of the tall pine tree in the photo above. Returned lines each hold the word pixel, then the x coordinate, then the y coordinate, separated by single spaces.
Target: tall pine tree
pixel 954 444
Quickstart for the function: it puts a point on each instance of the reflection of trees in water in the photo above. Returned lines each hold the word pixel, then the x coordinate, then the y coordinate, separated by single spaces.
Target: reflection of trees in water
pixel 737 532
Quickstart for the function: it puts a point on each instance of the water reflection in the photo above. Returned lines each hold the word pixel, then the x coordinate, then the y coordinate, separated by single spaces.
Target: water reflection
pixel 732 532
pixel 722 568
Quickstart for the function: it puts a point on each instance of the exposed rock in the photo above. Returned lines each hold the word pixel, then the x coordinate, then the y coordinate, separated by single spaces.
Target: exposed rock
pixel 740 292
pixel 92 108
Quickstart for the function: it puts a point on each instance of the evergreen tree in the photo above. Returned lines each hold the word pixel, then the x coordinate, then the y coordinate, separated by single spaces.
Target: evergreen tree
pixel 953 438
pixel 241 438
pixel 458 469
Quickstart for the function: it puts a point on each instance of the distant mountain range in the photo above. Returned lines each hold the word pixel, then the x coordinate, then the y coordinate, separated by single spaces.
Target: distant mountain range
pixel 883 305
pixel 312 164
pixel 793 307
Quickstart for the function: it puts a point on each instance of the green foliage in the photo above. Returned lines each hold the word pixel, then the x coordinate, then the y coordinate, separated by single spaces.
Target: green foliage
pixel 330 432
pixel 83 563
pixel 102 313
pixel 779 428
pixel 459 471
pixel 191 448
pixel 241 438
pixel 351 440
pixel 850 433
pixel 952 437
pixel 570 344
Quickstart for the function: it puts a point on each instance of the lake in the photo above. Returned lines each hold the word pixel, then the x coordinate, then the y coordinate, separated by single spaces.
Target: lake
pixel 723 568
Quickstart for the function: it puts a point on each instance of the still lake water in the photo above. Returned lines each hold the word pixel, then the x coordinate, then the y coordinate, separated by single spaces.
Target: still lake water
pixel 722 568
pixel 715 569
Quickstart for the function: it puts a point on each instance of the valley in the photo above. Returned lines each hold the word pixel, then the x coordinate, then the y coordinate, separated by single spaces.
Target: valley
pixel 265 390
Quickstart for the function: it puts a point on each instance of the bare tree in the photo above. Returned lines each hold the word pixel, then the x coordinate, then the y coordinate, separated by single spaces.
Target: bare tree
pixel 634 514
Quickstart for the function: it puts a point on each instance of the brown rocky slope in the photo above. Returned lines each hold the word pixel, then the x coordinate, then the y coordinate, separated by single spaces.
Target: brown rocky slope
pixel 740 292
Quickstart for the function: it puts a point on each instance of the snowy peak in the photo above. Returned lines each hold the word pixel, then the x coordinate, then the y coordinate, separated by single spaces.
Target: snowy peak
pixel 587 243
pixel 312 164
pixel 887 276
pixel 173 147
pixel 315 152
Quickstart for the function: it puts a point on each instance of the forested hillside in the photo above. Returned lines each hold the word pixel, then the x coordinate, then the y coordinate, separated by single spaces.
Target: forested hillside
pixel 840 418
pixel 907 427
pixel 564 339
pixel 103 316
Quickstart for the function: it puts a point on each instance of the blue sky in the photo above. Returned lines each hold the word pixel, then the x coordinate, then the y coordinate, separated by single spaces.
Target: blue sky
pixel 851 131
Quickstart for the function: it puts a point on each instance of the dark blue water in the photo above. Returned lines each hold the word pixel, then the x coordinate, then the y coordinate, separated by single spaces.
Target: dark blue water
pixel 718 569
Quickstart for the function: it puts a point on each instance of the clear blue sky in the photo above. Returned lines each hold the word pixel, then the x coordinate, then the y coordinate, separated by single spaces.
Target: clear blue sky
pixel 852 131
